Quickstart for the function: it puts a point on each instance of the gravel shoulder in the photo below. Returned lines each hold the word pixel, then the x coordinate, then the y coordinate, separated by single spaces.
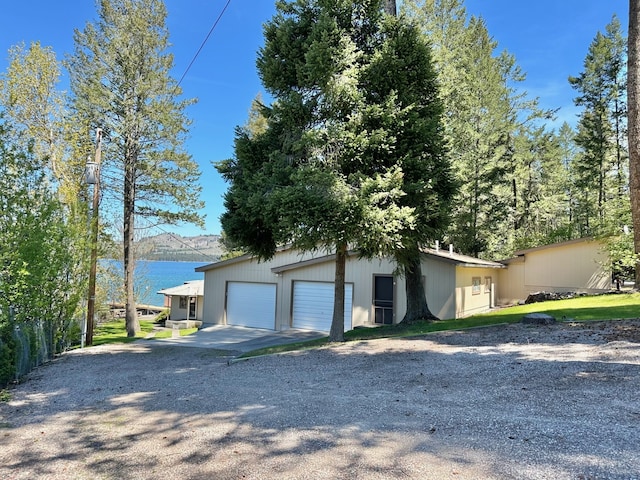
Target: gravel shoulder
pixel 505 402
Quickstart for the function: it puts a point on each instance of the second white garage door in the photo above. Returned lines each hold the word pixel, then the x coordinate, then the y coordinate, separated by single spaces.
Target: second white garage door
pixel 313 305
pixel 251 304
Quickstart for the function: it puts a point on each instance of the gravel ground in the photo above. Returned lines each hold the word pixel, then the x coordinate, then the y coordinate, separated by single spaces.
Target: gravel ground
pixel 508 402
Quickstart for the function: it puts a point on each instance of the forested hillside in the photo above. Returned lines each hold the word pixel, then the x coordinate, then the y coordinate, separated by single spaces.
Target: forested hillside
pixel 173 247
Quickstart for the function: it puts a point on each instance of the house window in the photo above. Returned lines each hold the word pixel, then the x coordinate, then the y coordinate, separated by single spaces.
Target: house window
pixel 183 303
pixel 475 285
pixel 487 284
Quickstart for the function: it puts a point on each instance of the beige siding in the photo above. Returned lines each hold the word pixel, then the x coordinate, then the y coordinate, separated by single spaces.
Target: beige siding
pixel 511 288
pixel 569 267
pixel 440 280
pixel 441 286
pixel 215 285
pixel 357 272
pixel 566 267
pixel 470 300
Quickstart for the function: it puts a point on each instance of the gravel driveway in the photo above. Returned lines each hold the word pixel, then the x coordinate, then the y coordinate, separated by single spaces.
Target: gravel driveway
pixel 508 402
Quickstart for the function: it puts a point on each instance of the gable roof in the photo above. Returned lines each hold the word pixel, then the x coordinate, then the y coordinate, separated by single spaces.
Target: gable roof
pixel 553 245
pixel 310 261
pixel 459 259
pixel 441 255
pixel 192 288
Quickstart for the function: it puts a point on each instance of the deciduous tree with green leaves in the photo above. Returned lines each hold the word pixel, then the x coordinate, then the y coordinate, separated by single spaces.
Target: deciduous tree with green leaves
pixel 39 281
pixel 121 83
pixel 33 104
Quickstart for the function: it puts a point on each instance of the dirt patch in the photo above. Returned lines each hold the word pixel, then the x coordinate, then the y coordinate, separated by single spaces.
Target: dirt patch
pixel 507 402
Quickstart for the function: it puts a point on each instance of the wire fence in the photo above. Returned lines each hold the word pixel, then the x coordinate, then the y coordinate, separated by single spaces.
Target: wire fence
pixel 25 346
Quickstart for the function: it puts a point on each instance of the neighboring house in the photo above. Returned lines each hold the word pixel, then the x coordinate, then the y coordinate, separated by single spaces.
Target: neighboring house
pixel 295 289
pixel 572 266
pixel 185 301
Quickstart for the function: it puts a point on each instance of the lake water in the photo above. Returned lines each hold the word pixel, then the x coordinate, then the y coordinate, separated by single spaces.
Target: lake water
pixel 154 276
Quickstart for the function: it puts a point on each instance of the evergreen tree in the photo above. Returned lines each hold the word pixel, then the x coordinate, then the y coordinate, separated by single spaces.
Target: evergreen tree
pixel 600 170
pixel 483 116
pixel 120 81
pixel 633 89
pixel 401 75
pixel 336 165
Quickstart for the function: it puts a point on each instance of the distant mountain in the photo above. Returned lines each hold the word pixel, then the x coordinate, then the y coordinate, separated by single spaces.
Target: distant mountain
pixel 173 247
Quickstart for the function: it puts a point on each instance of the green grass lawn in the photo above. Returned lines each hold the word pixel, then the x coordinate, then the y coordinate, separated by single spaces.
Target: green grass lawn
pixel 601 307
pixel 116 332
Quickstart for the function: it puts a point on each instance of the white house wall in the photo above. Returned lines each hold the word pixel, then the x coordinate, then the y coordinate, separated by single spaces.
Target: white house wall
pixel 178 313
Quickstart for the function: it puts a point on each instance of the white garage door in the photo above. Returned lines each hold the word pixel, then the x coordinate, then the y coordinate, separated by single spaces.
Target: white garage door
pixel 251 304
pixel 313 305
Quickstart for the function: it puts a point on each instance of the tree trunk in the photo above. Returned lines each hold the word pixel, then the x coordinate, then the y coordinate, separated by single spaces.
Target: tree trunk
pixel 337 324
pixel 633 94
pixel 131 314
pixel 417 308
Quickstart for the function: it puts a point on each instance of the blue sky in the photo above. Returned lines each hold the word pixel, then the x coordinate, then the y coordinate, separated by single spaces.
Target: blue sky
pixel 549 39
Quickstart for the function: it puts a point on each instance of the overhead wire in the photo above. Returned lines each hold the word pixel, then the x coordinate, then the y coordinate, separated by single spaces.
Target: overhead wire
pixel 193 60
pixel 204 42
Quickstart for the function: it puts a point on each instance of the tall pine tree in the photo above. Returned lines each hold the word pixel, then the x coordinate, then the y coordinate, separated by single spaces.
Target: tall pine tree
pixel 121 83
pixel 600 169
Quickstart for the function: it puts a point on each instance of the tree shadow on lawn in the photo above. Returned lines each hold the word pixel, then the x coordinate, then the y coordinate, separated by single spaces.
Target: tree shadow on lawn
pixel 442 406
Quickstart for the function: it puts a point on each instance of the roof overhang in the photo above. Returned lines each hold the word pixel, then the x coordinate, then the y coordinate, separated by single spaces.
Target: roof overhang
pixel 193 288
pixel 460 260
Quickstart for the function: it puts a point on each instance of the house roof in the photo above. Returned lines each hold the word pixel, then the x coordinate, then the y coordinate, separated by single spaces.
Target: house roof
pixel 192 288
pixel 231 261
pixel 459 259
pixel 441 255
pixel 222 263
pixel 553 245
pixel 308 262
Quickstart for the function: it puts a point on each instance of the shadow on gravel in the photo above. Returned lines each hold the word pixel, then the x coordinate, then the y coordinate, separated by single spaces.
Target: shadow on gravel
pixel 492 403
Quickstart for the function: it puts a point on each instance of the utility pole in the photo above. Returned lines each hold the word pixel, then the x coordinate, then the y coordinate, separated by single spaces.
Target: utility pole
pixel 95 179
pixel 390 8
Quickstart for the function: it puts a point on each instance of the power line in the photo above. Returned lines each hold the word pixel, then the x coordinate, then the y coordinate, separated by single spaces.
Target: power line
pixel 215 24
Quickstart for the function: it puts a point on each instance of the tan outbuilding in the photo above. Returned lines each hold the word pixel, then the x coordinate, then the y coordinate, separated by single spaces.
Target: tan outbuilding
pixel 574 266
pixel 295 289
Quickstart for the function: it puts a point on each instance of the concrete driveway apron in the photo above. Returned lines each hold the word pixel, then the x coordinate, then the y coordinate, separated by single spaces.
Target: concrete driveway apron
pixel 240 339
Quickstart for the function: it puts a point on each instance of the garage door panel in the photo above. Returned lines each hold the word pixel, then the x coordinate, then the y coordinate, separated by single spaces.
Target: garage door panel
pixel 313 305
pixel 251 304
